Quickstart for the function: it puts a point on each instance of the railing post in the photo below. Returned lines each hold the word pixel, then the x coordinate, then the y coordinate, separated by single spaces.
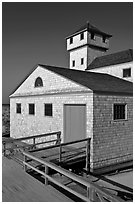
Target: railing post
pixel 91 194
pixel 25 160
pixel 60 153
pixel 4 147
pixel 46 172
pixel 88 193
pixel 34 142
pixel 58 137
pixel 88 155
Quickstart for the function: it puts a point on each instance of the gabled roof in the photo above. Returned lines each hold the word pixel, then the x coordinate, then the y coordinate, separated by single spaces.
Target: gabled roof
pixel 90 28
pixel 95 81
pixel 112 59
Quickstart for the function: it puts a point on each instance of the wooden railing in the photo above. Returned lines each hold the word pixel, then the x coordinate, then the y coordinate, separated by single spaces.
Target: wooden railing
pixel 11 143
pixel 93 191
pixel 62 145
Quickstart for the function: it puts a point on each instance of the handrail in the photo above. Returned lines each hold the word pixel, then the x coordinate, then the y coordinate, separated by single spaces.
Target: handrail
pixel 62 144
pixel 14 141
pixel 103 194
pixel 35 136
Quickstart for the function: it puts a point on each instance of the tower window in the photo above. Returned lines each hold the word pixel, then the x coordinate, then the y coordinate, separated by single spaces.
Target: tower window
pixel 104 39
pixel 31 108
pixel 119 111
pixel 92 36
pixel 73 63
pixel 82 36
pixel 18 108
pixel 71 40
pixel 127 72
pixel 82 61
pixel 48 109
pixel 38 82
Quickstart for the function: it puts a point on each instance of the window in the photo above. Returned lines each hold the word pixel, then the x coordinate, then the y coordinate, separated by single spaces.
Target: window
pixel 71 40
pixel 104 39
pixel 31 108
pixel 73 63
pixel 38 82
pixel 92 36
pixel 82 61
pixel 119 111
pixel 48 109
pixel 18 108
pixel 127 72
pixel 82 36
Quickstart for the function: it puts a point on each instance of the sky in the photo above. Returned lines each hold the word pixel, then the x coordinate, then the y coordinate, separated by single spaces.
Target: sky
pixel 35 33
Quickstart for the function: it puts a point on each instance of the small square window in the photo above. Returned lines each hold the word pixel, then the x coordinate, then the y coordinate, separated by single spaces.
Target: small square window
pixel 82 61
pixel 92 36
pixel 18 108
pixel 104 40
pixel 71 40
pixel 48 109
pixel 31 108
pixel 127 72
pixel 73 63
pixel 81 36
pixel 119 111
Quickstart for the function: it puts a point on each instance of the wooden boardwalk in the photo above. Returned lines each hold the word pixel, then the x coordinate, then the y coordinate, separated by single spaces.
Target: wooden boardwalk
pixel 56 164
pixel 17 186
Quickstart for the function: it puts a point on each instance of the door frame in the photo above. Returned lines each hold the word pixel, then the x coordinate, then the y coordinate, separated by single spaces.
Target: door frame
pixel 74 104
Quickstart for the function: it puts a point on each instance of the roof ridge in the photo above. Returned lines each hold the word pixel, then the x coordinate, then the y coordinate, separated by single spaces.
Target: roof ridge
pixel 90 28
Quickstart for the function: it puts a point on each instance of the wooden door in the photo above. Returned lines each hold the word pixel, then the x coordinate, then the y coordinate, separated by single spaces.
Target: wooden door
pixel 74 122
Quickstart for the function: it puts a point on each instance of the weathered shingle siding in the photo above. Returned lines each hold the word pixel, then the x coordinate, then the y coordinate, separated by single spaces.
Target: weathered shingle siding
pixel 112 140
pixel 115 70
pixel 23 124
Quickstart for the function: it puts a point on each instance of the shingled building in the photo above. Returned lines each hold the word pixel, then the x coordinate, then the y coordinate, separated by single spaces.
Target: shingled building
pixel 80 101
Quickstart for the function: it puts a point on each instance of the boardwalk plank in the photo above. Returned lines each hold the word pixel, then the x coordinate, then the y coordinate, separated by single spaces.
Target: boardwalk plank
pixel 17 186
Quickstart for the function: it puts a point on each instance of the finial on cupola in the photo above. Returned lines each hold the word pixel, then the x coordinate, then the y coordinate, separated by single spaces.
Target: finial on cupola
pixel 88 23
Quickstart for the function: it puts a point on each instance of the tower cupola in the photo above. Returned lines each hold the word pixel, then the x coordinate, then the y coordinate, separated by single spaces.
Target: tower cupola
pixel 85 45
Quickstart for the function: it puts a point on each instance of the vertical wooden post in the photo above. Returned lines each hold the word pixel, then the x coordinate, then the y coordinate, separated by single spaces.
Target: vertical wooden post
pixel 59 138
pixel 34 142
pixel 91 194
pixel 88 193
pixel 46 172
pixel 4 147
pixel 88 155
pixel 25 160
pixel 60 153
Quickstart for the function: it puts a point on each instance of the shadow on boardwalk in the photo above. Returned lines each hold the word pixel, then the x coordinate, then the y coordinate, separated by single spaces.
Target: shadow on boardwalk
pixel 17 186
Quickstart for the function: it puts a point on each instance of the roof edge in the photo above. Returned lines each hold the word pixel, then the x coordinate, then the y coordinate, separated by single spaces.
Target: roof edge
pixel 23 80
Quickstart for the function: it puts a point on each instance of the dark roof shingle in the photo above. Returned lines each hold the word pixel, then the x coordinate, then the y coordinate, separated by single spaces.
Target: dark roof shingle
pixel 95 81
pixel 112 59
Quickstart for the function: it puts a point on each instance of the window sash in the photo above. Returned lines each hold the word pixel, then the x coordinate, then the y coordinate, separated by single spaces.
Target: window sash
pixel 119 111
pixel 82 61
pixel 127 72
pixel 92 36
pixel 71 40
pixel 73 63
pixel 18 108
pixel 48 109
pixel 81 36
pixel 32 109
